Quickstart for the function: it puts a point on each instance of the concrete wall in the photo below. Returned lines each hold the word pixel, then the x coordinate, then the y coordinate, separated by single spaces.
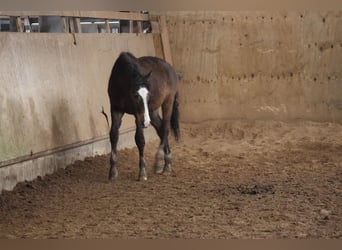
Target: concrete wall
pixel 258 65
pixel 51 94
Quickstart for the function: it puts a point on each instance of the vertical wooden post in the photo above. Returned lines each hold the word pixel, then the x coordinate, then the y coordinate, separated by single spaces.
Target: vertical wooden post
pixel 107 26
pixel 140 30
pixel 78 25
pixel 165 39
pixel 64 24
pixel 72 24
pixel 72 28
pixel 130 26
pixel 154 20
pixel 19 24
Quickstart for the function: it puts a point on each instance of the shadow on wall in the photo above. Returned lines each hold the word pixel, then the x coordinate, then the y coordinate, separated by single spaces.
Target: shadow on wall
pixel 92 126
pixel 63 127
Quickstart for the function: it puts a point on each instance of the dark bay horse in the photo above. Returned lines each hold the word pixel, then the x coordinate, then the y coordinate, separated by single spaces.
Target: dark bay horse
pixel 139 86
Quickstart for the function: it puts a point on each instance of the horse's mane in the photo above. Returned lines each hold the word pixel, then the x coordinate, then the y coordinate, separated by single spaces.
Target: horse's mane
pixel 127 64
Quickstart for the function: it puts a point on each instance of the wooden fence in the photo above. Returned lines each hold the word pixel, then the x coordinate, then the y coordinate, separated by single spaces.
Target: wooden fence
pixel 71 23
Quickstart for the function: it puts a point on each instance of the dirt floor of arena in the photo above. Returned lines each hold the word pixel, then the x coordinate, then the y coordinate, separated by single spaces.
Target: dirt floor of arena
pixel 231 179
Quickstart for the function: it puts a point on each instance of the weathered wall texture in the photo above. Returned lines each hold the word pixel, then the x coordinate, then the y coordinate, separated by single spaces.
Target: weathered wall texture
pixel 51 94
pixel 258 65
pixel 249 65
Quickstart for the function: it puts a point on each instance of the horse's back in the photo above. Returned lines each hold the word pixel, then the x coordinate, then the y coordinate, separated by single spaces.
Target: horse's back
pixel 125 65
pixel 163 82
pixel 161 70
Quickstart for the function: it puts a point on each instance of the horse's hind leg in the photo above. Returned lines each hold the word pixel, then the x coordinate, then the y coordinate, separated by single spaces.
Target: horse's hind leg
pixel 167 112
pixel 114 137
pixel 156 122
pixel 168 160
pixel 163 128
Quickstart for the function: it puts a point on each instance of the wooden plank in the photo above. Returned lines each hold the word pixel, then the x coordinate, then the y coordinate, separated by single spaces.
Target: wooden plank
pixel 158 47
pixel 154 17
pixel 115 15
pixel 72 28
pixel 165 39
pixel 107 26
pixel 19 24
pixel 139 23
pixel 130 26
pixel 90 14
pixel 155 27
pixel 64 24
pixel 72 25
pixel 78 25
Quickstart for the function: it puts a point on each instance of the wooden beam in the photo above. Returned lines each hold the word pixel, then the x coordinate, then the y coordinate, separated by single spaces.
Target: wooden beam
pixel 19 24
pixel 64 24
pixel 155 27
pixel 72 28
pixel 139 23
pixel 130 26
pixel 72 25
pixel 165 39
pixel 90 14
pixel 158 47
pixel 78 25
pixel 107 26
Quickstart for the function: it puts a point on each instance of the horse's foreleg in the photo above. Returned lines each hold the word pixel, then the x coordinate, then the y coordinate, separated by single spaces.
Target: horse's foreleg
pixel 140 142
pixel 114 137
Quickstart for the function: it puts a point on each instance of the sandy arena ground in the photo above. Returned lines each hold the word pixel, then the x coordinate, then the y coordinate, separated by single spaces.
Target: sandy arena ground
pixel 231 179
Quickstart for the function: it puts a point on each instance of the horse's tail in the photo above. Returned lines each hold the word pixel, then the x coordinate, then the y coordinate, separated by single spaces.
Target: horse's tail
pixel 175 118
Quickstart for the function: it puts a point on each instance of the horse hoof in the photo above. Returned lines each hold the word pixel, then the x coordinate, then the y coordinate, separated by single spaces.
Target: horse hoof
pixel 113 176
pixel 143 178
pixel 167 171
pixel 142 175
pixel 158 170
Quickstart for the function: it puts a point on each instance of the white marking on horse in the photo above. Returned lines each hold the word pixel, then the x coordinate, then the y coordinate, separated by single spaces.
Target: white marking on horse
pixel 143 92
